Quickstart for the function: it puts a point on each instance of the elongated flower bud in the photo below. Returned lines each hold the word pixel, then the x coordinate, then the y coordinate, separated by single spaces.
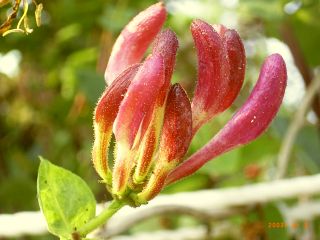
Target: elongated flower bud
pixel 104 116
pixel 166 44
pixel 237 61
pixel 213 71
pixel 134 40
pixel 221 63
pixel 139 99
pixel 177 127
pixel 175 140
pixel 248 123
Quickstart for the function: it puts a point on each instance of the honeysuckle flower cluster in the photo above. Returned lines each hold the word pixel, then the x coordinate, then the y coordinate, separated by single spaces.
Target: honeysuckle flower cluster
pixel 154 121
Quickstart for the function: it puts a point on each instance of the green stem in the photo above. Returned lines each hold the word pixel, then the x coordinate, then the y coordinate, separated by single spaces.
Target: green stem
pixel 100 219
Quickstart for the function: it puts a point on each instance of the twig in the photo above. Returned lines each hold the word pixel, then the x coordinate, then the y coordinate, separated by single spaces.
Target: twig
pixel 7 24
pixel 300 212
pixel 203 215
pixel 221 231
pixel 213 201
pixel 295 126
pixel 210 201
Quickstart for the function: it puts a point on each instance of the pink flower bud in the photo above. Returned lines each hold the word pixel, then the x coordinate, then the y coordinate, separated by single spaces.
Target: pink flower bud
pixel 237 61
pixel 166 44
pixel 104 116
pixel 177 127
pixel 108 105
pixel 134 40
pixel 221 60
pixel 139 99
pixel 175 140
pixel 248 123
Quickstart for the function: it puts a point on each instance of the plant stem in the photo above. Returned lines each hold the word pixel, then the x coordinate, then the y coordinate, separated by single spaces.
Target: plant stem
pixel 100 219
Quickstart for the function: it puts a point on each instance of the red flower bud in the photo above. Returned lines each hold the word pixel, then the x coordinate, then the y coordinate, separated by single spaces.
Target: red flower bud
pixel 166 44
pixel 248 123
pixel 139 99
pixel 237 61
pixel 134 40
pixel 104 116
pixel 175 140
pixel 108 105
pixel 177 127
pixel 221 60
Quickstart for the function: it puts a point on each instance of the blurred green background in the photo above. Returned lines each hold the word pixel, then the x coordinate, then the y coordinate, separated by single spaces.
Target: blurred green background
pixel 51 79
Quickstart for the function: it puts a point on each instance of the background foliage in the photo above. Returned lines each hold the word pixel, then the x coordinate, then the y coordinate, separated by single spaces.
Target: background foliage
pixel 51 79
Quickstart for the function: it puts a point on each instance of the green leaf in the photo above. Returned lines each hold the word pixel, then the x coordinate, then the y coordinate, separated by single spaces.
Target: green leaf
pixel 65 199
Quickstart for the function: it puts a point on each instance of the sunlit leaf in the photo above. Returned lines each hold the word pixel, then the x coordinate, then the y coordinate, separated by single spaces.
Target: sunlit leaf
pixel 65 199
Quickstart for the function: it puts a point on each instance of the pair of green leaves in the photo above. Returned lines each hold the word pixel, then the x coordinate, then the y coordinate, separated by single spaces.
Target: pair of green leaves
pixel 65 199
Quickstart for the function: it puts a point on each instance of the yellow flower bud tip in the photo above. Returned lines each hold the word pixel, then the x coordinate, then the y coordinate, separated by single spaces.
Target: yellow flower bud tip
pixel 156 182
pixel 119 181
pixel 148 147
pixel 122 170
pixel 99 153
